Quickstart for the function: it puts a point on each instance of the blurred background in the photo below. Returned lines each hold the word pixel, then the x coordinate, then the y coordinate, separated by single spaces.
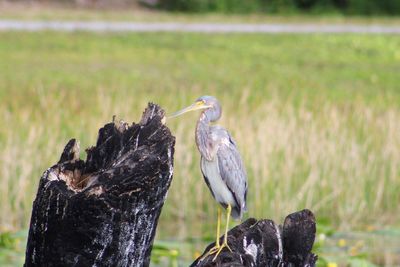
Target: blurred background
pixel 316 116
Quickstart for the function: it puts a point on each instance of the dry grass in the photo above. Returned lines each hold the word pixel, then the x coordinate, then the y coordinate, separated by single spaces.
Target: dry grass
pixel 342 163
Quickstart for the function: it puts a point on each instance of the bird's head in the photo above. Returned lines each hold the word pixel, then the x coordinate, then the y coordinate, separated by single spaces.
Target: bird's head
pixel 209 103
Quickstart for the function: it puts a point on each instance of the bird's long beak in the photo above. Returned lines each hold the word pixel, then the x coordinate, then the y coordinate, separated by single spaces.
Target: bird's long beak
pixel 196 106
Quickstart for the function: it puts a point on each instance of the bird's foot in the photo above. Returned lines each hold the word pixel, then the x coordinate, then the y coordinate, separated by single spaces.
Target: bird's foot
pixel 224 245
pixel 211 251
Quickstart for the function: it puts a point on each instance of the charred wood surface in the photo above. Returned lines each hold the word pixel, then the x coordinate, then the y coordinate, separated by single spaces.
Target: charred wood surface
pixel 104 211
pixel 263 243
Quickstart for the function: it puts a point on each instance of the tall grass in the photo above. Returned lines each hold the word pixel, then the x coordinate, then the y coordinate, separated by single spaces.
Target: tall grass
pixel 316 118
pixel 342 163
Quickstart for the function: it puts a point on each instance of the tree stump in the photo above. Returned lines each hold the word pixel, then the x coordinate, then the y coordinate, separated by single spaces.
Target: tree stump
pixel 104 211
pixel 263 243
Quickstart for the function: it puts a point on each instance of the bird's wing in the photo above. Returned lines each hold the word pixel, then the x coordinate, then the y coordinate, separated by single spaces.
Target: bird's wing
pixel 232 171
pixel 205 177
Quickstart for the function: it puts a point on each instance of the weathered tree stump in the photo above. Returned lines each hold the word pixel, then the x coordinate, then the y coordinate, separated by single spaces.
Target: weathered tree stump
pixel 263 243
pixel 104 211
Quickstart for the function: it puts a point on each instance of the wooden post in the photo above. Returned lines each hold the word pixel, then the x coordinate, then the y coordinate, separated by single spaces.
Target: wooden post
pixel 263 243
pixel 104 211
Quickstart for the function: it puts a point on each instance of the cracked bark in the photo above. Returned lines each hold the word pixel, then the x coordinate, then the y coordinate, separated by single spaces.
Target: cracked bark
pixel 263 243
pixel 104 211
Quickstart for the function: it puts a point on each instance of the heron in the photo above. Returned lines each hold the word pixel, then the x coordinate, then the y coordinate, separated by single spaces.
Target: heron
pixel 221 165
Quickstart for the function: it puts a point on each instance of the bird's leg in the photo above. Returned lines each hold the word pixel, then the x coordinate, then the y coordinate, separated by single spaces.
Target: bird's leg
pixel 225 244
pixel 218 227
pixel 217 245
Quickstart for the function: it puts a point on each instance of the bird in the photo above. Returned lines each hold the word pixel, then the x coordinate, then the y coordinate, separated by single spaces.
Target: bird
pixel 221 165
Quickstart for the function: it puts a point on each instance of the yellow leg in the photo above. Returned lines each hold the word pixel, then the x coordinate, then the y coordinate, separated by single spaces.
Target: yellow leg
pixel 218 226
pixel 217 245
pixel 225 244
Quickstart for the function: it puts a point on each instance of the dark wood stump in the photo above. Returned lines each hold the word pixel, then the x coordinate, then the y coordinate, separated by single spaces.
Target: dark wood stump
pixel 263 243
pixel 104 211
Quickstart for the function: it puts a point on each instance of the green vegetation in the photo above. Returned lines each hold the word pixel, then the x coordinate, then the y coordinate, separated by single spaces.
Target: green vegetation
pixel 365 7
pixel 316 118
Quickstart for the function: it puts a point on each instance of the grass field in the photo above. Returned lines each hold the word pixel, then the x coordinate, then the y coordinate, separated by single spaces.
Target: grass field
pixel 316 117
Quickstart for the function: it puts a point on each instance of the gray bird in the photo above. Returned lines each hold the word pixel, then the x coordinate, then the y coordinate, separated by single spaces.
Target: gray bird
pixel 221 164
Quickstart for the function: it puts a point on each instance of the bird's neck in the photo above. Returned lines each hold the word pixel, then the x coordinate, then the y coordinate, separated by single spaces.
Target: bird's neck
pixel 203 136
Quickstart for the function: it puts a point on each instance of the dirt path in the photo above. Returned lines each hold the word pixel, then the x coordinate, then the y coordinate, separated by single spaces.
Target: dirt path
pixel 103 26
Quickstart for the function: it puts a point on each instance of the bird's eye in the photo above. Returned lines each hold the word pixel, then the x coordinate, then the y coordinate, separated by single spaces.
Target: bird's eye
pixel 201 102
